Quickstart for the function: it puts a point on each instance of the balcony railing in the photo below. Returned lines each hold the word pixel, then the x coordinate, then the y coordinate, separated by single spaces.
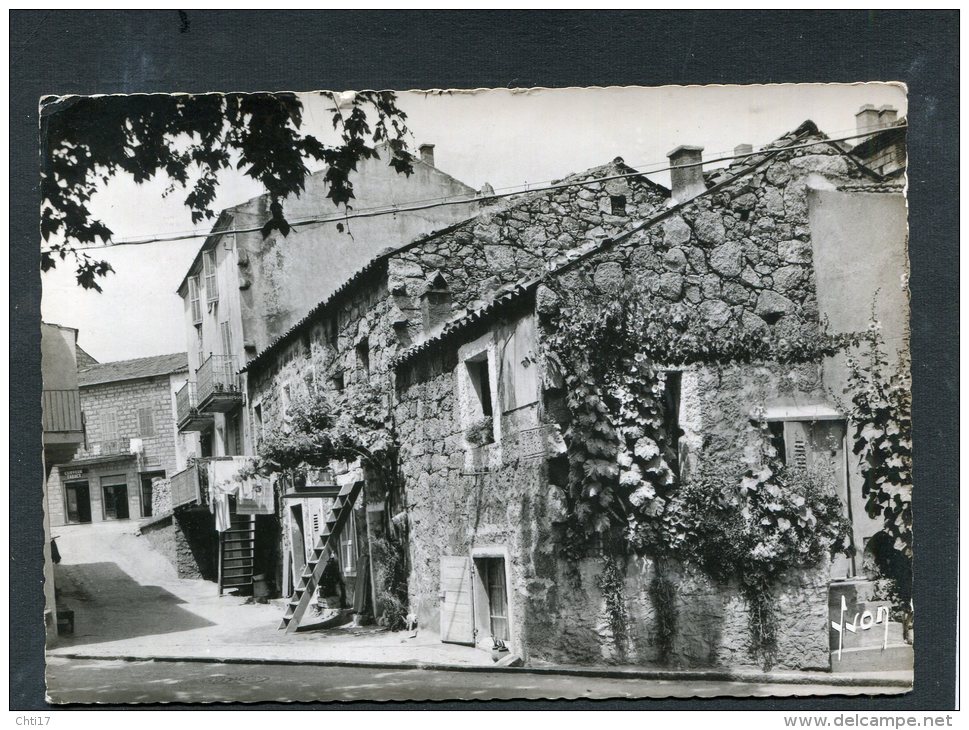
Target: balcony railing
pixel 187 415
pixel 186 487
pixel 108 447
pixel 62 411
pixel 218 384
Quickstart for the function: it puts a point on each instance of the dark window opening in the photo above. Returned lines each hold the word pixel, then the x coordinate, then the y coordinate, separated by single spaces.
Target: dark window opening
pixel 618 204
pixel 363 357
pixel 745 215
pixel 671 418
pixel 481 382
pixel 776 430
pixel 331 333
pixel 338 382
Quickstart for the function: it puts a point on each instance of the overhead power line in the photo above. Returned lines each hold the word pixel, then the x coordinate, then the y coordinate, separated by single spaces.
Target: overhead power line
pixel 394 209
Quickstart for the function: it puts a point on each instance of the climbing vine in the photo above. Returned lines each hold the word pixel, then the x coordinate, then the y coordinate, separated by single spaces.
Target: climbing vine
pixel 744 522
pixel 881 414
pixel 611 582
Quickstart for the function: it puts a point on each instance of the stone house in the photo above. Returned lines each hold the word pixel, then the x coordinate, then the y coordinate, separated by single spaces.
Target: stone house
pixel 449 327
pixel 130 439
pixel 754 244
pixel 400 296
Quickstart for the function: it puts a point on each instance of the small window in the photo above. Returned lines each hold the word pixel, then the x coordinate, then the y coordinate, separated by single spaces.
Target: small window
pixel 199 347
pixel 671 417
pixel 480 383
pixel 286 399
pixel 211 282
pixel 332 330
pixel 146 422
pixel 338 382
pixel 194 299
pixel 363 358
pixel 618 204
pixel 257 421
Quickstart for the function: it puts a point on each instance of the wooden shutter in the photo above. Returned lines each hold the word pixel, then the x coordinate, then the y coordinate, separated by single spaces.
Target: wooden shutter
pixel 226 332
pixel 146 422
pixel 796 443
pixel 194 299
pixel 109 426
pixel 518 372
pixel 211 283
pixel 457 601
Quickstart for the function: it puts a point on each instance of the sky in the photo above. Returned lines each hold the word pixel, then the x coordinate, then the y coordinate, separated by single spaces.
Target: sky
pixel 503 137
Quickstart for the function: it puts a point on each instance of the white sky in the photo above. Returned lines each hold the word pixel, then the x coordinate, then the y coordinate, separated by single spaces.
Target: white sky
pixel 502 137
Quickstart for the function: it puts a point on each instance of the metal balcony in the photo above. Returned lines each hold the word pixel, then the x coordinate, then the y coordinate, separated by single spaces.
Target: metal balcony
pixel 219 388
pixel 187 414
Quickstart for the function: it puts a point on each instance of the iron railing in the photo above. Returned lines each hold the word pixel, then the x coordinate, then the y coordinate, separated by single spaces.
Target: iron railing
pixel 217 375
pixel 186 400
pixel 62 410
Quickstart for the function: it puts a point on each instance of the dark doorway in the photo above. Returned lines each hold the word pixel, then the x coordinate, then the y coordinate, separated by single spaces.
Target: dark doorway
pixel 78 503
pixel 493 604
pixel 115 501
pixel 146 491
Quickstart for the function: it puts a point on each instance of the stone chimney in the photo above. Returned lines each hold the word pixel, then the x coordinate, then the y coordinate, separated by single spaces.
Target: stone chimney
pixel 435 303
pixel 867 119
pixel 743 149
pixel 427 154
pixel 686 173
pixel 887 116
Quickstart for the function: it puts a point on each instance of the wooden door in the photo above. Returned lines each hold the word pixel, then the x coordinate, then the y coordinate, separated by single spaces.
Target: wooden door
pixel 297 541
pixel 457 601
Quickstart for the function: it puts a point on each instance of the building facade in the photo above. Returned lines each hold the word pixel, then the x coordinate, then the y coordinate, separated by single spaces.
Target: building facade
pixel 449 326
pixel 130 439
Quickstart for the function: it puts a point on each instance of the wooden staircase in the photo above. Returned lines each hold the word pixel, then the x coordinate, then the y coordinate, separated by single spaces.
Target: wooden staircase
pixel 236 553
pixel 325 545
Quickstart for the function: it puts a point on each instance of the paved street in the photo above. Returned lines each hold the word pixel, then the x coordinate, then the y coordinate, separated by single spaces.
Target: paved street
pixel 133 682
pixel 128 603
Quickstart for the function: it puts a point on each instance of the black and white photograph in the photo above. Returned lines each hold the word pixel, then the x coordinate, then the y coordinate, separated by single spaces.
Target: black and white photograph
pixel 477 394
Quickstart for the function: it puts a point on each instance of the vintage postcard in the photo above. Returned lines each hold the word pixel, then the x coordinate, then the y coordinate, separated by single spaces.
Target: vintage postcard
pixel 545 393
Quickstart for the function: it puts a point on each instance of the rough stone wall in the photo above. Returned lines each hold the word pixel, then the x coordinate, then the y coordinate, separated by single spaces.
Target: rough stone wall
pixel 125 398
pixel 161 496
pixel 514 238
pixel 742 253
pixel 196 545
pixel 161 536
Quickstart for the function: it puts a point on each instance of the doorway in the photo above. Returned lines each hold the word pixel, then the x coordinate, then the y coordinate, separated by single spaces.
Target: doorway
pixel 78 503
pixel 297 541
pixel 146 491
pixel 491 598
pixel 115 501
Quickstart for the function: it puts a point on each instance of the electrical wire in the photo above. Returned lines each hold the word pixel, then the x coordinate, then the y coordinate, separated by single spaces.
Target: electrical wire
pixel 394 209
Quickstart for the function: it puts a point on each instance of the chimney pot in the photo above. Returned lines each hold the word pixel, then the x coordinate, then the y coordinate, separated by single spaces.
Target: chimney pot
pixel 427 154
pixel 867 119
pixel 887 116
pixel 743 149
pixel 686 173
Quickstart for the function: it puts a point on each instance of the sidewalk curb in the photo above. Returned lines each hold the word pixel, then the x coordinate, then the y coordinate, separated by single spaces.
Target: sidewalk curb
pixel 799 678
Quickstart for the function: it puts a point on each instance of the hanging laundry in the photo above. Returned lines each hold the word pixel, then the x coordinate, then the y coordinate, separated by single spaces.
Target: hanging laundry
pixel 255 497
pixel 223 482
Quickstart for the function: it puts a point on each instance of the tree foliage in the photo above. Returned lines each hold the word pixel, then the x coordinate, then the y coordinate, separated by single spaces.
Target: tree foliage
pixel 190 139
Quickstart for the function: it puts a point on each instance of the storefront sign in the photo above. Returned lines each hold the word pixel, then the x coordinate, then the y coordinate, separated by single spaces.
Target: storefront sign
pixel 72 473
